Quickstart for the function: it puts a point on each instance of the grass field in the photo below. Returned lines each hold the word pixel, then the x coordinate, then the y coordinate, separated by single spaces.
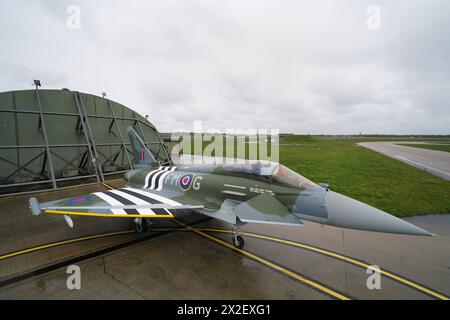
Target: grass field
pixel 439 147
pixel 365 175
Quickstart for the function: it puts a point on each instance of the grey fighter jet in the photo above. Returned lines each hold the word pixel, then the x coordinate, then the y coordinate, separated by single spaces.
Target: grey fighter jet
pixel 260 192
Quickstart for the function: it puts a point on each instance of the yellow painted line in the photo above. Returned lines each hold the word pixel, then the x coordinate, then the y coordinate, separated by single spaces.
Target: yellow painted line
pixel 337 256
pixel 54 244
pixel 269 264
pixel 108 186
pixel 331 254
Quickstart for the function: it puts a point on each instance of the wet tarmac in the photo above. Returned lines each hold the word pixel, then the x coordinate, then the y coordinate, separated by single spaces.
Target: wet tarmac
pixel 177 262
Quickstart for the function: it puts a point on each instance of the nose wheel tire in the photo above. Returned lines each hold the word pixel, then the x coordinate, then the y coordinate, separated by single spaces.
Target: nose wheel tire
pixel 238 241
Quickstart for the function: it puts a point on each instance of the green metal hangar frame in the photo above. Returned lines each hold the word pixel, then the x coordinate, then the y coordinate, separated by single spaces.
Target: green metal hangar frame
pixel 54 138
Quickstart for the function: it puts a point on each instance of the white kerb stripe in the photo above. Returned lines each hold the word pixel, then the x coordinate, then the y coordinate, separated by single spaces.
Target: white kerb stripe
pixel 135 200
pixel 111 201
pixel 156 197
pixel 161 180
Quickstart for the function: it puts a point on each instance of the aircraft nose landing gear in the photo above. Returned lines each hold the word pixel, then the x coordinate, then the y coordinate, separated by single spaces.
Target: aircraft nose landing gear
pixel 238 241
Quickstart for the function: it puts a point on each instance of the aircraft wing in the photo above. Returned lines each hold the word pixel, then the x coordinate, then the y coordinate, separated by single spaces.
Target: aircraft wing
pixel 264 208
pixel 119 203
pixel 131 202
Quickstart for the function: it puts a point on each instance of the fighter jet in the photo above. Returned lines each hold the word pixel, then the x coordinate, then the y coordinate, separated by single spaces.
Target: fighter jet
pixel 259 192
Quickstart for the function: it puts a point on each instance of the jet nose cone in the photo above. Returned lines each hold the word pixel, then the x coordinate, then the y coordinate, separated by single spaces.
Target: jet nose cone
pixel 349 213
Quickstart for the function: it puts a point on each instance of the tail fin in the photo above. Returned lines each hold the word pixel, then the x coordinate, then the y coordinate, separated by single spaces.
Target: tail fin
pixel 142 156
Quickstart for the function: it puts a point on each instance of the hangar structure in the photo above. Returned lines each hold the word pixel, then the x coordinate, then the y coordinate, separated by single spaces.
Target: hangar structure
pixel 53 138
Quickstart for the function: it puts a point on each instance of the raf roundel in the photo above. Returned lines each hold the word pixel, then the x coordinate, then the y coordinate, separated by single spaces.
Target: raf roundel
pixel 79 200
pixel 185 182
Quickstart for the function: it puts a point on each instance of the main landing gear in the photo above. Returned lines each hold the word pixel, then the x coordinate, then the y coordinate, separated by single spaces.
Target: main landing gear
pixel 238 241
pixel 141 225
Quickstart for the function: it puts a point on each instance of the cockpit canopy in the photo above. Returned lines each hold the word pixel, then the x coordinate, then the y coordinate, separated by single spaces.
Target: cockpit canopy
pixel 273 171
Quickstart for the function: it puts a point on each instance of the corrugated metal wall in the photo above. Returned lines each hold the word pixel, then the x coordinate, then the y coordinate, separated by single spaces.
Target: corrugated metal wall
pixel 49 137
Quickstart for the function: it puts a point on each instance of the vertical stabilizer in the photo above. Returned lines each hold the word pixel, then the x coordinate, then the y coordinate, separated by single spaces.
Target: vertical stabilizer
pixel 142 156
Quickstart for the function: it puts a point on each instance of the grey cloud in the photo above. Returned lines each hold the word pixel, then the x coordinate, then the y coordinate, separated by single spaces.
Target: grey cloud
pixel 294 65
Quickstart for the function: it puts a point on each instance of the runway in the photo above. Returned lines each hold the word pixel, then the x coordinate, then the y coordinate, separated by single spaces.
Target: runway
pixel 190 257
pixel 432 161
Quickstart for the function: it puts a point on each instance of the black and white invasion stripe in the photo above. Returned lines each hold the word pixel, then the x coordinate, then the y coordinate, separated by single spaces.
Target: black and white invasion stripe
pixel 111 201
pixel 149 176
pixel 160 180
pixel 144 199
pixel 128 196
pixel 153 196
pixel 155 179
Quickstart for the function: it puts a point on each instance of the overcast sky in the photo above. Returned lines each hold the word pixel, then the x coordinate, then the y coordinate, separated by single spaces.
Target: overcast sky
pixel 298 66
